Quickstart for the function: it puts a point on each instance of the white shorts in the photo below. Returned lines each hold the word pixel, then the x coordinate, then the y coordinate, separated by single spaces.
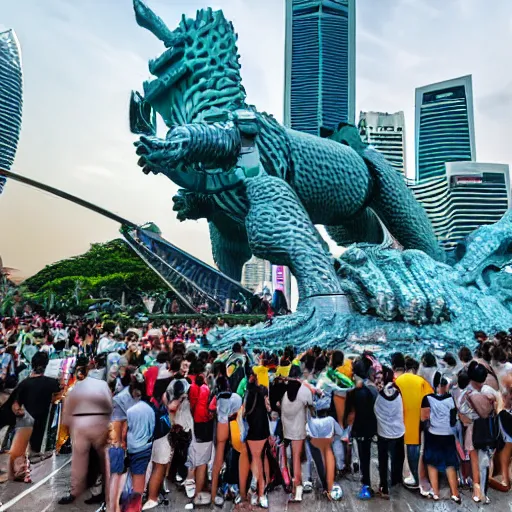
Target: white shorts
pixel 199 454
pixel 162 451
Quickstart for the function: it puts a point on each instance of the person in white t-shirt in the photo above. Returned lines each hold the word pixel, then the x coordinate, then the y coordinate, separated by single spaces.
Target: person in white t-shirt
pixel 389 411
pixel 293 417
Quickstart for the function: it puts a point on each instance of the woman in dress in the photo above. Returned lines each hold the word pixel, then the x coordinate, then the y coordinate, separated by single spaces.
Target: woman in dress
pixel 438 409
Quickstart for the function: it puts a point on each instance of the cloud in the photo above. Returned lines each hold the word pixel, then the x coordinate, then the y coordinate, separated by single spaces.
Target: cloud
pixel 498 103
pixel 94 171
pixel 81 59
pixel 424 7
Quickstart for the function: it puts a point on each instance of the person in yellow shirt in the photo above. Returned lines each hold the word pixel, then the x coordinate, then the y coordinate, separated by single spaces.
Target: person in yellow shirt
pixel 283 370
pixel 261 372
pixel 346 368
pixel 413 388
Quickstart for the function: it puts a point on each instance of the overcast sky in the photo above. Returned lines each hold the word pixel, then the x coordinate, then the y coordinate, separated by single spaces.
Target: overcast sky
pixel 81 58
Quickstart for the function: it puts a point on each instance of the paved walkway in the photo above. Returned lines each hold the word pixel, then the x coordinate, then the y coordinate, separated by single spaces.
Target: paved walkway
pixel 43 497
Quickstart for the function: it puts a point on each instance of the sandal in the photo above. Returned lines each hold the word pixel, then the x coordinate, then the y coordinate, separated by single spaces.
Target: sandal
pixel 476 493
pixel 382 495
pixel 456 499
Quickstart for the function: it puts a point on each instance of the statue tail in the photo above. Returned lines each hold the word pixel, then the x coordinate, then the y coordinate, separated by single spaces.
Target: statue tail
pixel 397 207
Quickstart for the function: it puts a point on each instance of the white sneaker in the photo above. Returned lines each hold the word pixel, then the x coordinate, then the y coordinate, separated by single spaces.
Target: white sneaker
pixel 150 504
pixel 411 483
pixel 190 488
pixel 254 499
pixel 308 486
pixel 202 499
pixel 219 501
pixel 424 491
pixel 264 501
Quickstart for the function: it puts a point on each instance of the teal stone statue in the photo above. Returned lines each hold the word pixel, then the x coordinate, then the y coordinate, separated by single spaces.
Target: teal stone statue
pixel 263 188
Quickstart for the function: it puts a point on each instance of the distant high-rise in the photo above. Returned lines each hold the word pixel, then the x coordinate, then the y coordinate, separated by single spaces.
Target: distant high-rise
pixel 256 274
pixel 467 196
pixel 386 133
pixel 319 64
pixel 445 130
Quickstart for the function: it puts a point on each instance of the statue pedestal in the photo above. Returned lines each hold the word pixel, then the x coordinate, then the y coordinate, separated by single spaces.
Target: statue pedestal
pixel 327 305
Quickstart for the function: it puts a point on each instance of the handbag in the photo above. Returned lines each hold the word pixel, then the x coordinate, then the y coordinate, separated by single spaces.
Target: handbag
pixel 486 431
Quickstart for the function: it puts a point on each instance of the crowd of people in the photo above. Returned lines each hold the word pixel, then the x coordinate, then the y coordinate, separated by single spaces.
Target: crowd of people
pixel 155 405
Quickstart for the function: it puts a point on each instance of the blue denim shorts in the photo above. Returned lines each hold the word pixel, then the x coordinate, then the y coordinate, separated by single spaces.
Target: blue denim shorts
pixel 139 461
pixel 116 457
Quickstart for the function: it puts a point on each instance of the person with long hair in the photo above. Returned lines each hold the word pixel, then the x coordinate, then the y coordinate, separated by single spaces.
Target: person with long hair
pixel 477 401
pixel 440 452
pixel 226 405
pixel 505 423
pixel 389 412
pixel 257 407
pixel 321 430
pixel 200 450
pixel 293 417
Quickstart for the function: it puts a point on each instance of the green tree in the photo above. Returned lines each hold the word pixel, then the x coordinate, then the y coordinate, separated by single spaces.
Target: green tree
pixel 106 270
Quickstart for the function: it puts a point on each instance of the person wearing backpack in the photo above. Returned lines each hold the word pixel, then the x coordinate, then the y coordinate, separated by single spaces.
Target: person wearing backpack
pixel 201 446
pixel 477 407
pixel 161 453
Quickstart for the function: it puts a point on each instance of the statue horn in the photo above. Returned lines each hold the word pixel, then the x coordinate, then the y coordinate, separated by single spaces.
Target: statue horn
pixel 147 19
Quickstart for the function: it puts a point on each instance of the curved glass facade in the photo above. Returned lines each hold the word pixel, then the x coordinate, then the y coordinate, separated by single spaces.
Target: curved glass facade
pixel 320 64
pixel 11 99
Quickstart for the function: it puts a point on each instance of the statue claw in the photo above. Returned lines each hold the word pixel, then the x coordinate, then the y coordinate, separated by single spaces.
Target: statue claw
pixel 392 282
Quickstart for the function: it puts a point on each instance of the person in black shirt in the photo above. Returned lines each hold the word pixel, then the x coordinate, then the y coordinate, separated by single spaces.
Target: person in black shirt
pixel 32 402
pixel 359 412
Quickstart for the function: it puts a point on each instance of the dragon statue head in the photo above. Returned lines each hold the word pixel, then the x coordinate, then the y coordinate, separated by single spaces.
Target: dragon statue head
pixel 198 72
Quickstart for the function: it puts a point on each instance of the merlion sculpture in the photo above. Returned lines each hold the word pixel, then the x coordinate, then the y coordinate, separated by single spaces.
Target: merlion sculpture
pixel 263 188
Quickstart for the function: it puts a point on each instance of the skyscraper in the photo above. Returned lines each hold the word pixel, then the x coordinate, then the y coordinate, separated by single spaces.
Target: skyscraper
pixel 445 130
pixel 319 64
pixel 469 195
pixel 386 133
pixel 256 274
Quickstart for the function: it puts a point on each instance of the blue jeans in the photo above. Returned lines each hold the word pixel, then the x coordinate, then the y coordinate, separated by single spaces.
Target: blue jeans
pixel 413 459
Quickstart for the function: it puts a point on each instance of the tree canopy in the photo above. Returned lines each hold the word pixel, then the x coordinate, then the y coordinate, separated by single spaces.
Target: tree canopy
pixel 106 270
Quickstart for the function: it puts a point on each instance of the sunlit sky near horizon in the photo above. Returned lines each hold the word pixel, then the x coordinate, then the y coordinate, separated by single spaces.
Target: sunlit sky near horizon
pixel 82 58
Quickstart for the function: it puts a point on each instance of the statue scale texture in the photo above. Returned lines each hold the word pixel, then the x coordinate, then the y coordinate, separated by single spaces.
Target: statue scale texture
pixel 263 188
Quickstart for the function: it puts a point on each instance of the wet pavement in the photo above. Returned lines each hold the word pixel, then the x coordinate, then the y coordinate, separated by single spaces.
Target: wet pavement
pixel 43 497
